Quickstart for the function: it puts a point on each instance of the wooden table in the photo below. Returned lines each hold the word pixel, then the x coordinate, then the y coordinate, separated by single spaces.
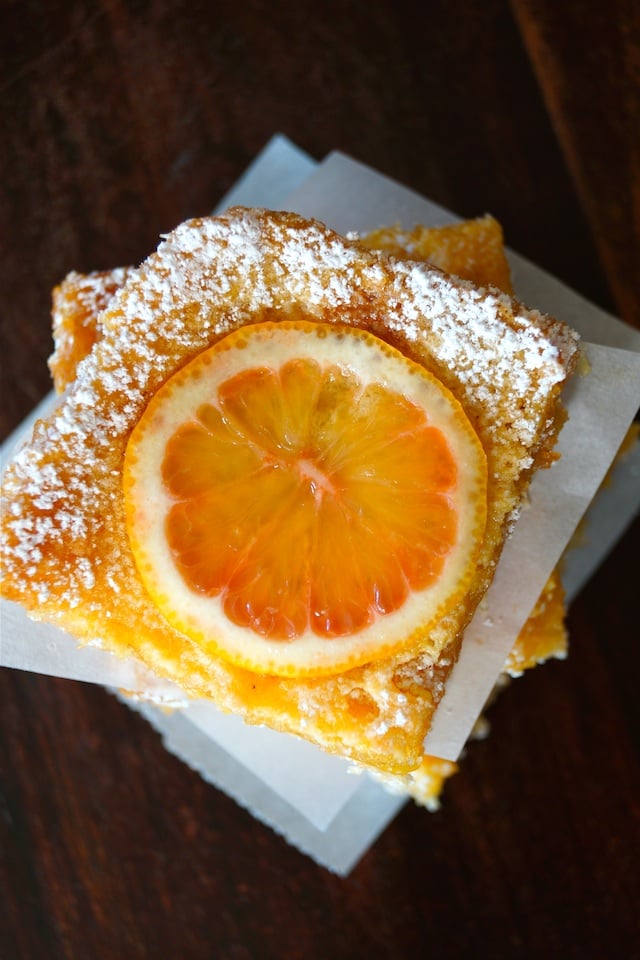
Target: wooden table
pixel 120 119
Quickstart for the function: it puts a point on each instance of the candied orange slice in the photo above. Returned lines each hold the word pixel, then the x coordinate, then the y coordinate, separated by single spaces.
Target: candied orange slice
pixel 301 498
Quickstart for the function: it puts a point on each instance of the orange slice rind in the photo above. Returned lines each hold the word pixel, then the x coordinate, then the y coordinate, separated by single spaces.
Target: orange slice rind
pixel 301 498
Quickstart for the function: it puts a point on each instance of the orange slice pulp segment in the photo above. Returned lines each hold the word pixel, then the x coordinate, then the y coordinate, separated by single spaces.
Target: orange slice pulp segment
pixel 302 498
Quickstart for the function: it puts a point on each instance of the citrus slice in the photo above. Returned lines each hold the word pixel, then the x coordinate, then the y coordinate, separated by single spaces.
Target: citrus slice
pixel 301 498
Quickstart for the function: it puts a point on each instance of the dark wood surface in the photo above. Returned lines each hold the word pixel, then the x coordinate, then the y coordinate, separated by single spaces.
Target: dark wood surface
pixel 119 119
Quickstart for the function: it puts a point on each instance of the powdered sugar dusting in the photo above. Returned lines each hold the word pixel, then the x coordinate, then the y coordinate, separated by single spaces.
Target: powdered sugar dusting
pixel 66 528
pixel 514 362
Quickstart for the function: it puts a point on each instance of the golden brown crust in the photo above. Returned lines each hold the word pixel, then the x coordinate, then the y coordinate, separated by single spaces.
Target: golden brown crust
pixel 77 303
pixel 544 635
pixel 424 784
pixel 472 249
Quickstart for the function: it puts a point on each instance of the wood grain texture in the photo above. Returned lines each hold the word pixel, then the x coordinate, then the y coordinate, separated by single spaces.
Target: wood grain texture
pixel 123 117
pixel 587 60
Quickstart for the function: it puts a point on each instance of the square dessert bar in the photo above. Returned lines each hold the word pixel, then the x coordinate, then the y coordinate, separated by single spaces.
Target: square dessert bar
pixel 66 556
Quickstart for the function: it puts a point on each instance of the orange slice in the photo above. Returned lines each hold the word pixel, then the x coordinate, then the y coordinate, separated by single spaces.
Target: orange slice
pixel 301 498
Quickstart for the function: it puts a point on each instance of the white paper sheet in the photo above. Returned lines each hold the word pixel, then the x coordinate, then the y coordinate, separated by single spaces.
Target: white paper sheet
pixel 309 797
